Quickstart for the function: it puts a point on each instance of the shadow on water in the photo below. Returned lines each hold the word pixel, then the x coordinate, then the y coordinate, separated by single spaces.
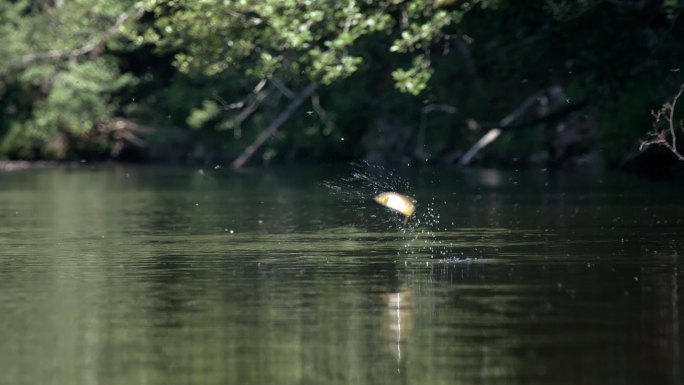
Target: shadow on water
pixel 164 275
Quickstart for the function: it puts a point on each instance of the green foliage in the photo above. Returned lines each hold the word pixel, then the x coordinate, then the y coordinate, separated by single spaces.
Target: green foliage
pixel 200 116
pixel 290 38
pixel 79 98
pixel 415 78
pixel 60 88
pixel 188 69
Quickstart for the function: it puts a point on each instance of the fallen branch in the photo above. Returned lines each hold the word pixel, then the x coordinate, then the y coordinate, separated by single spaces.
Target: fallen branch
pixel 484 141
pixel 274 126
pixel 515 119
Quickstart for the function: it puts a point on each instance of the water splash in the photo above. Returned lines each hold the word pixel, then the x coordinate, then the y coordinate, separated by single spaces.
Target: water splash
pixel 367 180
pixel 422 234
pixel 356 192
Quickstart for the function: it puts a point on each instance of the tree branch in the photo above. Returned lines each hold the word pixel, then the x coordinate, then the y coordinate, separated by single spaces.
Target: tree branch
pixel 514 120
pixel 240 104
pixel 320 111
pixel 248 111
pixel 132 13
pixel 282 88
pixel 257 96
pixel 484 141
pixel 274 126
pixel 665 115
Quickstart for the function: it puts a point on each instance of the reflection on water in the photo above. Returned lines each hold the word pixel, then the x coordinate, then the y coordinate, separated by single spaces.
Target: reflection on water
pixel 399 324
pixel 129 275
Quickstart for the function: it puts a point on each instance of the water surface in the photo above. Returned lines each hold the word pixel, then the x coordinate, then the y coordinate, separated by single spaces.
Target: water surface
pixel 149 275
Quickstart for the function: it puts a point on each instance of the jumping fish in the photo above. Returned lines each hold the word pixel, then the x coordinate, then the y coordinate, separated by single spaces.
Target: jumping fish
pixel 398 202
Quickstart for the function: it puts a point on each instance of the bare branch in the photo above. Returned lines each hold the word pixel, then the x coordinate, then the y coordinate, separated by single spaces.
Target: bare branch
pixel 225 105
pixel 667 136
pixel 282 88
pixel 240 104
pixel 519 118
pixel 248 111
pixel 670 121
pixel 316 103
pixel 489 137
pixel 274 126
pixel 256 97
pixel 260 86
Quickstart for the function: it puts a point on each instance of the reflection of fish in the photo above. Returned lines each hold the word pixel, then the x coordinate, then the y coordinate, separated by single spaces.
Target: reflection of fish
pixel 399 322
pixel 397 202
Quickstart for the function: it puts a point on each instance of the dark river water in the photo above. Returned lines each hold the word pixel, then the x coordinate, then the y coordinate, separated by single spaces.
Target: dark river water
pixel 148 275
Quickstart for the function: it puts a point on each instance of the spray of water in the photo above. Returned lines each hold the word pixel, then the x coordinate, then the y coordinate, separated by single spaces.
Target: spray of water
pixel 368 180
